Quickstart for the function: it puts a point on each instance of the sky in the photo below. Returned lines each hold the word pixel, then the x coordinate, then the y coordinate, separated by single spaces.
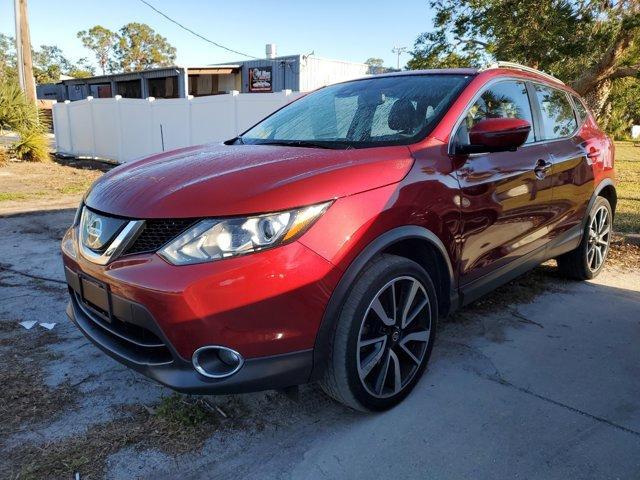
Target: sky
pixel 345 30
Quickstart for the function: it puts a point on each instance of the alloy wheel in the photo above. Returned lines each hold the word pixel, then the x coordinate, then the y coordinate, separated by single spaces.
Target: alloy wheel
pixel 394 336
pixel 599 237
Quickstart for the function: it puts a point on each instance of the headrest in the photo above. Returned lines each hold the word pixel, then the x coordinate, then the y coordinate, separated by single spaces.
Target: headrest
pixel 403 116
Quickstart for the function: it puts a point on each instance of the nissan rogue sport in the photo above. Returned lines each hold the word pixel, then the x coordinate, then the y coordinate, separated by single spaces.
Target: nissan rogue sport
pixel 325 242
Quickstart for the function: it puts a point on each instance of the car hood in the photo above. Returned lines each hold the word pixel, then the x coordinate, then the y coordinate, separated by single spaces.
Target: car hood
pixel 226 180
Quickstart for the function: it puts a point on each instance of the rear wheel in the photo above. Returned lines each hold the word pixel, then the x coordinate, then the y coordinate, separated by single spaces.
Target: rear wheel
pixel 587 261
pixel 384 335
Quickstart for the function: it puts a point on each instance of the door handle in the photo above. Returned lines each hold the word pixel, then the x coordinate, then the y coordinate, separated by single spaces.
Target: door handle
pixel 541 168
pixel 593 152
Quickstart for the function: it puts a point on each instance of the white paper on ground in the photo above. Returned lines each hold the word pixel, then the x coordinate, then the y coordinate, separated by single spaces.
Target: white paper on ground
pixel 48 326
pixel 28 324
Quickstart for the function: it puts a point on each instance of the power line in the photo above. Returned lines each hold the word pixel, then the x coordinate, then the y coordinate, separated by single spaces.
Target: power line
pixel 197 34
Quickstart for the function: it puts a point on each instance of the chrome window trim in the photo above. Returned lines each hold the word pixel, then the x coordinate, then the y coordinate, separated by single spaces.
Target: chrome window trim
pixel 489 84
pixel 129 233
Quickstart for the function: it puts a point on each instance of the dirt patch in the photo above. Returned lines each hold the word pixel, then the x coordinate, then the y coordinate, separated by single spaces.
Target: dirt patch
pixel 32 181
pixel 177 425
pixel 24 398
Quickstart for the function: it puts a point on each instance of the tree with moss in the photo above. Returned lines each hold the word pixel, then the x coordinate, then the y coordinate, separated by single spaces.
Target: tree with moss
pixel 591 45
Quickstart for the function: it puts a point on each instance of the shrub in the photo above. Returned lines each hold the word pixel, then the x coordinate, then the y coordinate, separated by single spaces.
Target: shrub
pixel 21 116
pixel 33 146
pixel 16 113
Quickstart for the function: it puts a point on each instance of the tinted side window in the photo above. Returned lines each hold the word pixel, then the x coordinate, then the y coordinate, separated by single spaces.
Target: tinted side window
pixel 580 109
pixel 507 99
pixel 558 119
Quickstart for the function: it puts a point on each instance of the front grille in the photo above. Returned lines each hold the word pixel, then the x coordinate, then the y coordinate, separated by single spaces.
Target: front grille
pixel 157 232
pixel 131 341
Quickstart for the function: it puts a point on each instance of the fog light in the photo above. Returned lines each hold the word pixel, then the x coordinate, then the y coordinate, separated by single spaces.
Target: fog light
pixel 216 362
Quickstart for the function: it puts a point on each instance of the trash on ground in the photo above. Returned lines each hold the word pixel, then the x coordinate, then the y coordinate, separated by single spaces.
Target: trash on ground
pixel 28 324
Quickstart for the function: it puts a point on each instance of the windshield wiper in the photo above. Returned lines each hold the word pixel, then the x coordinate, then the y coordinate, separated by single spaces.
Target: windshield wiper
pixel 306 144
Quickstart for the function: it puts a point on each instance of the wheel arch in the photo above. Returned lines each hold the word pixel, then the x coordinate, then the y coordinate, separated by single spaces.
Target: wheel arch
pixel 607 189
pixel 411 241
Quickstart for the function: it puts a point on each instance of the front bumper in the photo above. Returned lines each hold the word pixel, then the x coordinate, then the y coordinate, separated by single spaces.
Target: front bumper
pixel 157 359
pixel 266 306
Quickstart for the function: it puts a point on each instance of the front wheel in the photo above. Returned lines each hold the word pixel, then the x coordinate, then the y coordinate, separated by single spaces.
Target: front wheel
pixel 587 261
pixel 384 335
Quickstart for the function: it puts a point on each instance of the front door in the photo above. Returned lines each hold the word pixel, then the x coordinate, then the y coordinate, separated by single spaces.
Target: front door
pixel 506 197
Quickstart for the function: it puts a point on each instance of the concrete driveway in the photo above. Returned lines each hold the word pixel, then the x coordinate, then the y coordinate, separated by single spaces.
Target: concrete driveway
pixel 542 390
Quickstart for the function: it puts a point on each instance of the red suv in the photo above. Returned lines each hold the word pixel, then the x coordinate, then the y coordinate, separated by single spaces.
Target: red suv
pixel 325 242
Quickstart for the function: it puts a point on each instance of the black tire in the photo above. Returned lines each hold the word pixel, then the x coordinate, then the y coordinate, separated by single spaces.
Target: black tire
pixel 342 377
pixel 577 263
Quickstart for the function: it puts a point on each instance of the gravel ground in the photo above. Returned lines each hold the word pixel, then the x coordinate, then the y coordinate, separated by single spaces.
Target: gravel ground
pixel 539 380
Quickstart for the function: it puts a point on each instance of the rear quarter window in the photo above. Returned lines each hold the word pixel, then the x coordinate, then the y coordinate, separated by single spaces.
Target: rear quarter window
pixel 581 110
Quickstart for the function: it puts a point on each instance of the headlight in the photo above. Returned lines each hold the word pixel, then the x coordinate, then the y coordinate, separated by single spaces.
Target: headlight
pixel 214 239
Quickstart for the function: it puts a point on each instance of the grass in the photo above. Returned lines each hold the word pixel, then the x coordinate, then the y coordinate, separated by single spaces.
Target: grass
pixel 628 171
pixel 6 197
pixel 29 182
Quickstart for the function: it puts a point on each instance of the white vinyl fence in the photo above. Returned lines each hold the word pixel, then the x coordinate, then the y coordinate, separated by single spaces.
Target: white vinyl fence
pixel 123 129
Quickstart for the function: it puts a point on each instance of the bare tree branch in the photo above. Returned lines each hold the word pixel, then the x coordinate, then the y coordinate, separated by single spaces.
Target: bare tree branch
pixel 626 71
pixel 473 40
pixel 606 66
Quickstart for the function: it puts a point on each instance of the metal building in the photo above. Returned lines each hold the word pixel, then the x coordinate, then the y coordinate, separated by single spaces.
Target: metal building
pixel 165 82
pixel 300 73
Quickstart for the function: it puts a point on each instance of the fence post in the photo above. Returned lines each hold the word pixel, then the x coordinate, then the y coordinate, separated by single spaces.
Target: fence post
pixel 120 136
pixel 93 126
pixel 151 144
pixel 70 132
pixel 190 121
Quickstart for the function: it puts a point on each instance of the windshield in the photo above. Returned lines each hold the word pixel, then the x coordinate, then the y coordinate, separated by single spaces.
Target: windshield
pixel 365 113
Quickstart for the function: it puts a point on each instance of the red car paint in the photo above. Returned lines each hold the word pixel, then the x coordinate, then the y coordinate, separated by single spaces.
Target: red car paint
pixel 487 211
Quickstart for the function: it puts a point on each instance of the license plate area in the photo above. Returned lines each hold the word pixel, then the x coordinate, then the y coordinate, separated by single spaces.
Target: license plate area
pixel 96 295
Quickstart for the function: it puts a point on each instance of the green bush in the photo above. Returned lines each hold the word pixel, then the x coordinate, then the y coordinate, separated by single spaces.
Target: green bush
pixel 19 115
pixel 32 146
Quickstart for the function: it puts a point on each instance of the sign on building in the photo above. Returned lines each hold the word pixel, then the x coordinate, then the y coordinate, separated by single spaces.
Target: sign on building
pixel 260 79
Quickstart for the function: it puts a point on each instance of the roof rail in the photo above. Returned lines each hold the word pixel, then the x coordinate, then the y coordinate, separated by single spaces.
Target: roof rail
pixel 524 68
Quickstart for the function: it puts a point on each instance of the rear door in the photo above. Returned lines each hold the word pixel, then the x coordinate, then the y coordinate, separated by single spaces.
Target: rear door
pixel 571 156
pixel 505 197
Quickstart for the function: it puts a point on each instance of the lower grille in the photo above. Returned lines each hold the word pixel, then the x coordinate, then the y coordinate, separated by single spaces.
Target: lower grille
pixel 133 342
pixel 157 232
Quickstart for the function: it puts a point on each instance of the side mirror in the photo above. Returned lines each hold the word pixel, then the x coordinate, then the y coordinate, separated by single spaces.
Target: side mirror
pixel 496 135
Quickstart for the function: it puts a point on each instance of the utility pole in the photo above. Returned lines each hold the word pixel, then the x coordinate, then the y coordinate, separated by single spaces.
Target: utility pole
pixel 23 50
pixel 398 51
